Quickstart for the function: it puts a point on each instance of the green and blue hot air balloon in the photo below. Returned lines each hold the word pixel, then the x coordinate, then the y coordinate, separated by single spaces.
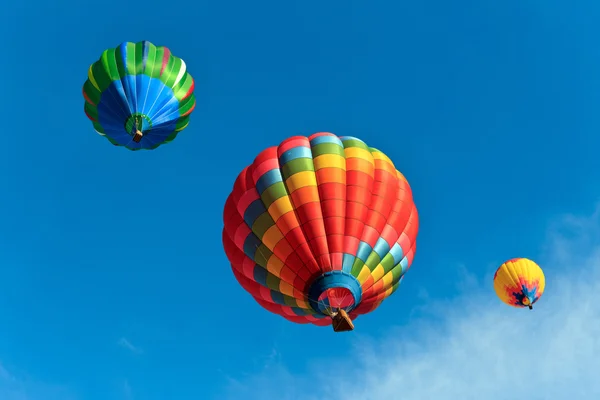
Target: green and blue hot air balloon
pixel 139 95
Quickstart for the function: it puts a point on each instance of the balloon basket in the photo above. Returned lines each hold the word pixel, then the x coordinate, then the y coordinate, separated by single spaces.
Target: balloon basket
pixel 137 136
pixel 341 322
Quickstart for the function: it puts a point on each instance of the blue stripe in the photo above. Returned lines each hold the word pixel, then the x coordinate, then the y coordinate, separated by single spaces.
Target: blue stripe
pixel 381 248
pixel 146 48
pixel 348 262
pixel 267 179
pixel 260 275
pixel 404 265
pixel 251 244
pixel 363 252
pixel 397 253
pixel 334 279
pixel 299 311
pixel 254 210
pixel 278 298
pixel 293 153
pixel 326 139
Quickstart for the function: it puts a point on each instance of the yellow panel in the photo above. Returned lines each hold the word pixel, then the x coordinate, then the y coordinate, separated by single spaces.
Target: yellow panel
pixel 388 279
pixel 365 273
pixel 303 304
pixel 401 176
pixel 329 161
pixel 286 288
pixel 300 180
pixel 378 272
pixel 271 237
pixel 377 155
pixel 279 207
pixel 92 78
pixel 275 265
pixel 356 152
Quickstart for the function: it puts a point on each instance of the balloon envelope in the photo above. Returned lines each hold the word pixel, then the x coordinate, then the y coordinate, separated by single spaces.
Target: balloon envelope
pixel 320 224
pixel 139 95
pixel 519 282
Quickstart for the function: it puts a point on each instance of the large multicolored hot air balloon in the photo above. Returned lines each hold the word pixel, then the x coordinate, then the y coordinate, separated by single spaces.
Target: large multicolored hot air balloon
pixel 320 229
pixel 519 282
pixel 139 95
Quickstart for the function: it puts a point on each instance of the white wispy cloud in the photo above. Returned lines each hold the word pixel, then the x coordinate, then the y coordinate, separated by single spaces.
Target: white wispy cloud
pixel 127 390
pixel 125 343
pixel 14 387
pixel 475 347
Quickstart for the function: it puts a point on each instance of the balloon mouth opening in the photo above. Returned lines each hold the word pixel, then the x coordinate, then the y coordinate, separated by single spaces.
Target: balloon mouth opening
pixel 136 125
pixel 334 291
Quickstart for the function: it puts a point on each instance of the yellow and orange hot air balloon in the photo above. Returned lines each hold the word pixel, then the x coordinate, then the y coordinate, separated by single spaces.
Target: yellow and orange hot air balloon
pixel 519 282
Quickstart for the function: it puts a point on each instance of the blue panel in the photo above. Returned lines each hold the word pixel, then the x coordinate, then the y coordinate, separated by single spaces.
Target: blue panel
pixel 397 253
pixel 267 179
pixel 348 262
pixel 293 153
pixel 334 279
pixel 326 139
pixel 254 210
pixel 404 265
pixel 251 244
pixel 278 298
pixel 145 49
pixel 381 248
pixel 363 252
pixel 299 311
pixel 260 275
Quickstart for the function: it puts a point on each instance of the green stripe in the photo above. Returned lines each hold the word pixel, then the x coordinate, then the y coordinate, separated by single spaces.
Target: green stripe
pixel 170 78
pixel 187 104
pixel 262 255
pixel 272 193
pixel 184 85
pixel 354 143
pixel 396 273
pixel 373 261
pixel 357 267
pixel 327 148
pixel 91 110
pixel 272 281
pixel 156 62
pixel 91 92
pixel 262 224
pixel 297 165
pixel 387 263
pixel 98 127
pixel 181 122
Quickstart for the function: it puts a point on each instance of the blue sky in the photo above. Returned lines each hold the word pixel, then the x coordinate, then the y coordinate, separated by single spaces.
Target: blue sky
pixel 114 283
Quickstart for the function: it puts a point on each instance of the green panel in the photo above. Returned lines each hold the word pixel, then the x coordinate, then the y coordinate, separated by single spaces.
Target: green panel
pixel 387 263
pixel 272 193
pixel 176 66
pixel 272 281
pixel 91 110
pixel 262 255
pixel 156 62
pixel 357 267
pixel 373 261
pixel 327 148
pixel 262 224
pixel 183 87
pixel 354 143
pixel 297 165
